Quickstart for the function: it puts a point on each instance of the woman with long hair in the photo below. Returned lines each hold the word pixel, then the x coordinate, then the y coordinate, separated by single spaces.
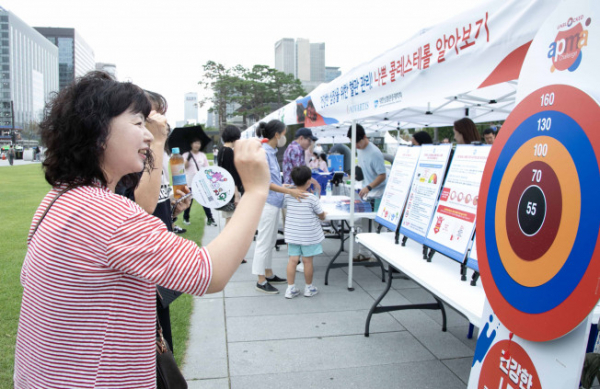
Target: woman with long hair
pixel 465 132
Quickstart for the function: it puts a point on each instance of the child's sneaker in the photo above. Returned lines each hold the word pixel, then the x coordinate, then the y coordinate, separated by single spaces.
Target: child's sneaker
pixel 300 267
pixel 290 293
pixel 310 291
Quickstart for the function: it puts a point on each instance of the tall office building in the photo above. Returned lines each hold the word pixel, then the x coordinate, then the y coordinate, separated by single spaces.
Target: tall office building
pixel 29 73
pixel 109 68
pixel 305 60
pixel 190 108
pixel 285 56
pixel 75 56
pixel 317 62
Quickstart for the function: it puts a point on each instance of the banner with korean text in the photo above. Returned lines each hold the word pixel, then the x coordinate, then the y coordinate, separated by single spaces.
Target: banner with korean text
pixel 482 47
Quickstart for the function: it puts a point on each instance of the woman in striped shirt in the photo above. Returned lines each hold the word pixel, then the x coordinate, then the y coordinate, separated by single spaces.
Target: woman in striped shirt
pixel 88 314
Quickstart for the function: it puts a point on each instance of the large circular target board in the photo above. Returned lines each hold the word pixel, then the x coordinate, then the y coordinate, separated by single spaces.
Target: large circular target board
pixel 539 222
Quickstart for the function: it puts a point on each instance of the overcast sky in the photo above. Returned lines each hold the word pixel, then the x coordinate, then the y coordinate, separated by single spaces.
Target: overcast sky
pixel 162 45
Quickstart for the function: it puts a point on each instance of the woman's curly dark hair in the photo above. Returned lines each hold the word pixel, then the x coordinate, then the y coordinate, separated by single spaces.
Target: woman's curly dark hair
pixel 77 124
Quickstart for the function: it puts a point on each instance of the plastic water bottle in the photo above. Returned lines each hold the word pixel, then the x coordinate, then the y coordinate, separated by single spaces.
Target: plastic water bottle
pixel 328 190
pixel 177 172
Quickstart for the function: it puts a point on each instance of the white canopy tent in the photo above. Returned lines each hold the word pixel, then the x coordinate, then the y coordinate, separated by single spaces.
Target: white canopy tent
pixel 466 67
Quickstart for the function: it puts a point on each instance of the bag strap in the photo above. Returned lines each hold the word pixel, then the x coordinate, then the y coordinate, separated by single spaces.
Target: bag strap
pixel 161 343
pixel 62 192
pixel 194 159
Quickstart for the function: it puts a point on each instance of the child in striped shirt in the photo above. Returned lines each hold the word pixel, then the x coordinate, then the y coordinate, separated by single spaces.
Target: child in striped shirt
pixel 303 232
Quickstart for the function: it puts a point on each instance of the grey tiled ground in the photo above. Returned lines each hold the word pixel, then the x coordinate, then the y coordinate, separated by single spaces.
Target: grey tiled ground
pixel 241 338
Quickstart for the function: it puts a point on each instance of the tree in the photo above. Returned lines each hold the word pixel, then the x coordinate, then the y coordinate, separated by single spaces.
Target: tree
pixel 257 91
pixel 30 131
pixel 284 87
pixel 219 80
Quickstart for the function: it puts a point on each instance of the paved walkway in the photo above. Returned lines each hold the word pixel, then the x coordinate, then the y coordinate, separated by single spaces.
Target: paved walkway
pixel 17 162
pixel 241 338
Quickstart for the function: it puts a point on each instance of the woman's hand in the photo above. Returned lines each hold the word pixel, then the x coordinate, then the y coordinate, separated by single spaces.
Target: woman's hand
pixel 297 194
pixel 183 204
pixel 158 127
pixel 251 164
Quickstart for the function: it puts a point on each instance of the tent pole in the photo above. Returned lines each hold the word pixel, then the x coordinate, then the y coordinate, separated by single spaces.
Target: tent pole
pixel 352 197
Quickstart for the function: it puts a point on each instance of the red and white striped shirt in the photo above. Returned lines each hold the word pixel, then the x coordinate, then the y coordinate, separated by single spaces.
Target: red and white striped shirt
pixel 88 315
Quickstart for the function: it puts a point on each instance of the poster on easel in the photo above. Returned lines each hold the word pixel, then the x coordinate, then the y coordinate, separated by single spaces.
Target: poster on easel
pixel 538 225
pixel 398 186
pixel 453 222
pixel 424 191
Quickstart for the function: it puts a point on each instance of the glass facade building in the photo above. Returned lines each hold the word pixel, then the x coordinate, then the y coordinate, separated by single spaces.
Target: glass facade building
pixel 317 62
pixel 75 56
pixel 28 74
pixel 305 60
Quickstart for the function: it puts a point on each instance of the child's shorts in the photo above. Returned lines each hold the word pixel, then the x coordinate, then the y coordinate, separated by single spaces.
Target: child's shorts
pixel 304 250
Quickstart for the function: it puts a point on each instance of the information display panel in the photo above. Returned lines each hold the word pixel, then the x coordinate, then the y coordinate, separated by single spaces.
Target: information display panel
pixel 453 222
pixel 424 191
pixel 398 186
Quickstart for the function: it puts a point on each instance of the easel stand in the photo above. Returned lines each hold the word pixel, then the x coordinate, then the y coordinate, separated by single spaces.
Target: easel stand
pixel 428 253
pixel 378 309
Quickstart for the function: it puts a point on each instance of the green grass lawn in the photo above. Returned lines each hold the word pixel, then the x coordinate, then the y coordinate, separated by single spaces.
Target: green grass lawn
pixel 21 190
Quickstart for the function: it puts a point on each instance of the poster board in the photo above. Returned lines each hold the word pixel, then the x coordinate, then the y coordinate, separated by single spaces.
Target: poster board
pixel 453 222
pixel 424 191
pixel 398 186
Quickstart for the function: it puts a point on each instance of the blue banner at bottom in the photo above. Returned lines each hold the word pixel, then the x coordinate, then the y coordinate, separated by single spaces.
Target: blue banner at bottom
pixel 412 235
pixel 453 254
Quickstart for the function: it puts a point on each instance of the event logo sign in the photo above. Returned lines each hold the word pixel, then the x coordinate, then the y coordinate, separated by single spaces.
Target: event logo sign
pixel 565 51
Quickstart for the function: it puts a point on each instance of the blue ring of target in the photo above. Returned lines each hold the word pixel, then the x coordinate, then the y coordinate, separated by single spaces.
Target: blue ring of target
pixel 543 298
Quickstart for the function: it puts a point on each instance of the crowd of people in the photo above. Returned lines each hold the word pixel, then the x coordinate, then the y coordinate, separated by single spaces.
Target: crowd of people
pixel 101 252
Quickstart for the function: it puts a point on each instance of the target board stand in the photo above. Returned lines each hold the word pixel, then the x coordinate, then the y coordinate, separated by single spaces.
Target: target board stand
pixel 539 217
